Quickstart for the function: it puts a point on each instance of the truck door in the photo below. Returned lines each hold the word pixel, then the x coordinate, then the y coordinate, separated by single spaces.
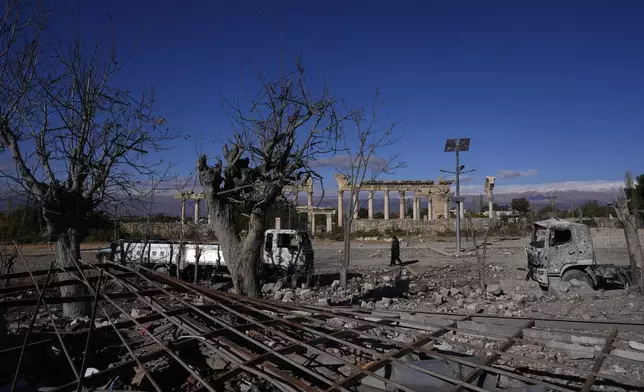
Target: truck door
pixel 561 249
pixel 287 249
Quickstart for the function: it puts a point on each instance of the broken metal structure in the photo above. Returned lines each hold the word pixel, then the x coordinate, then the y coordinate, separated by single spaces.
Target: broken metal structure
pixel 149 331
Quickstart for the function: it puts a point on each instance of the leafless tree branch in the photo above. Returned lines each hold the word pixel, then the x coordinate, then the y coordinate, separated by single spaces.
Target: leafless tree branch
pixel 76 139
pixel 363 146
pixel 276 138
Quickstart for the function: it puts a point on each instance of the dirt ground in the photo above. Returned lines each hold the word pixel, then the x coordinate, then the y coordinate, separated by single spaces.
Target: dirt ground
pixel 433 269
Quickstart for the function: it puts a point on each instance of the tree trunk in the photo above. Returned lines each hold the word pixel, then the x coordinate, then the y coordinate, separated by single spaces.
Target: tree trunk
pixel 627 220
pixel 67 253
pixel 344 268
pixel 246 274
pixel 241 257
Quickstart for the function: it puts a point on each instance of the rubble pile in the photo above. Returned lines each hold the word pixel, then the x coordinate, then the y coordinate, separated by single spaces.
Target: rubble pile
pixel 454 289
pixel 147 331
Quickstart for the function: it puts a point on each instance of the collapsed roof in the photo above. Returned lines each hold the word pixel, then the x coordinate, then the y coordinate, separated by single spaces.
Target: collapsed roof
pixel 149 331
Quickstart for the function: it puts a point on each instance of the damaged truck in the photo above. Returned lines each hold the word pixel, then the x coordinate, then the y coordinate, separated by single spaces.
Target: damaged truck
pixel 284 251
pixel 562 251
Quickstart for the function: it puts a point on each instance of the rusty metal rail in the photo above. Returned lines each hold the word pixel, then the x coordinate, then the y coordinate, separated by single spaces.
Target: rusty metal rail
pixel 149 331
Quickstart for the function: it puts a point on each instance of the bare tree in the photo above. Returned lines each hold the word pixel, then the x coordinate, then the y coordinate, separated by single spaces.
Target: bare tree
pixel 362 144
pixel 77 140
pixel 275 139
pixel 627 219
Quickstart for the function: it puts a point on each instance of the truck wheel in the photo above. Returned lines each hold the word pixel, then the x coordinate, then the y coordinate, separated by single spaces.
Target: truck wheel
pixel 579 275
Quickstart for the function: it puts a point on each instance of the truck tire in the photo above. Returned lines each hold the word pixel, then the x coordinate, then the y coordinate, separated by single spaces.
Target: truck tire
pixel 579 275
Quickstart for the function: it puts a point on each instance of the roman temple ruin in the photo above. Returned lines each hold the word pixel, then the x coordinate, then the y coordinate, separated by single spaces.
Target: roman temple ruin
pixel 435 193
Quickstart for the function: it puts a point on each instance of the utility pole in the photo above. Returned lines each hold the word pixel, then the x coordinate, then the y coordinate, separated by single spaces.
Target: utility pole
pixel 457 145
pixel 552 205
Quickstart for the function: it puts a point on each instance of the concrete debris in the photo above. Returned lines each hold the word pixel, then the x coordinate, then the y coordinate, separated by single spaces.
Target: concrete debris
pixel 634 355
pixel 494 289
pixel 563 287
pixel 438 299
pixel 289 296
pixel 474 308
pixel 636 345
pixel 383 303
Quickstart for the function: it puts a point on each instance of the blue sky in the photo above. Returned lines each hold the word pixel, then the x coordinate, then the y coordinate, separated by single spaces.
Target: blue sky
pixel 549 91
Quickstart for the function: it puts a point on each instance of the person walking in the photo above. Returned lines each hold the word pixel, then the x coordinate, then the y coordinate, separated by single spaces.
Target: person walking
pixel 395 251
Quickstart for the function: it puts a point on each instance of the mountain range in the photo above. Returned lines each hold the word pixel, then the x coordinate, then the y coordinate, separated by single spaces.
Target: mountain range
pixel 537 195
pixel 566 193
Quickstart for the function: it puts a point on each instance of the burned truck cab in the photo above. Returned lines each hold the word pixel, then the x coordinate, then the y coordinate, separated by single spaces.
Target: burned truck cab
pixel 560 249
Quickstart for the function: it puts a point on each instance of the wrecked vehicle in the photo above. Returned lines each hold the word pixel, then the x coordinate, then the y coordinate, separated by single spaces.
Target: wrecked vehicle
pixel 560 251
pixel 283 249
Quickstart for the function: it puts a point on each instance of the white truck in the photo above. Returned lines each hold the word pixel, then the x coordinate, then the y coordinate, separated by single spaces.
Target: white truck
pixel 282 249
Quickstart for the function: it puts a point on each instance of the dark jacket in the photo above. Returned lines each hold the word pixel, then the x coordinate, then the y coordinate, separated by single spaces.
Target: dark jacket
pixel 395 246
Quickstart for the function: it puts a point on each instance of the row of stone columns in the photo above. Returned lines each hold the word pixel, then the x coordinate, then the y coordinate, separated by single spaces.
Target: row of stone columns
pixel 196 213
pixel 416 206
pixel 329 220
pixel 312 213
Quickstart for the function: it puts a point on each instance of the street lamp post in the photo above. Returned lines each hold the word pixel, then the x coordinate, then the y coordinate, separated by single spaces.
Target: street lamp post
pixel 458 145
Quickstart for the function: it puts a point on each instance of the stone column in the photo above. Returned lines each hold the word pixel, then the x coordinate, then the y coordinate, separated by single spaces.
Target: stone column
pixel 312 220
pixel 447 208
pixel 340 207
pixel 414 207
pixel 309 199
pixel 430 213
pixel 197 210
pixel 278 223
pixel 329 222
pixel 355 205
pixel 370 204
pixel 387 204
pixel 183 210
pixel 402 205
pixel 491 209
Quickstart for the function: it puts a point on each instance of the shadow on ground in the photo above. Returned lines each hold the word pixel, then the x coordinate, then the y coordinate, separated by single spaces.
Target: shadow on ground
pixel 406 263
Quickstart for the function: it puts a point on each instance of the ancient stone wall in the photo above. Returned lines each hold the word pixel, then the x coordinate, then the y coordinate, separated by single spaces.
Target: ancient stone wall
pixel 438 226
